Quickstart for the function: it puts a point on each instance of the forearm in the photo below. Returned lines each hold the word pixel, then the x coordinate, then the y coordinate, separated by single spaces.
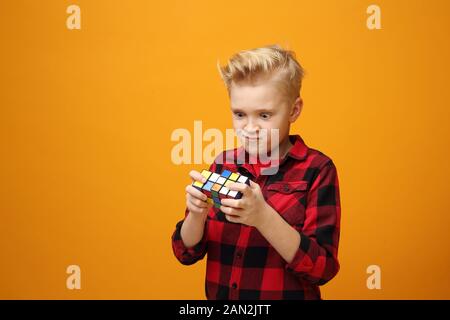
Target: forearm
pixel 280 234
pixel 192 229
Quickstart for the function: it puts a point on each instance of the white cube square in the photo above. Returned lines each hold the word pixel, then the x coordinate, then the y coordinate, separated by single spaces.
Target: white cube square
pixel 214 177
pixel 232 193
pixel 221 180
pixel 224 190
pixel 242 179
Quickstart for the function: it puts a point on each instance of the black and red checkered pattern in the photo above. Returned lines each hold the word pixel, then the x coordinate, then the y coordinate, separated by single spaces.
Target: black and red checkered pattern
pixel 241 264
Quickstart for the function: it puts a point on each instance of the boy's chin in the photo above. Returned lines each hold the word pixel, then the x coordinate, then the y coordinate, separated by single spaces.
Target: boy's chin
pixel 252 151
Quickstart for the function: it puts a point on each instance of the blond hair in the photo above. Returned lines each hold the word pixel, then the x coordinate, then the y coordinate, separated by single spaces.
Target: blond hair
pixel 274 62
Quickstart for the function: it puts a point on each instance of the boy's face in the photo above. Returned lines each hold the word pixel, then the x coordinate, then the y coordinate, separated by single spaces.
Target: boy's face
pixel 258 109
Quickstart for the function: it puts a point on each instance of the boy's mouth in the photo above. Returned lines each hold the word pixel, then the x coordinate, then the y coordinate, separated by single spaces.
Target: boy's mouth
pixel 246 136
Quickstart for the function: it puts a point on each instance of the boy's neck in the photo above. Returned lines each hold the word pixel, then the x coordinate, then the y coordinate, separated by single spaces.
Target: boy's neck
pixel 285 147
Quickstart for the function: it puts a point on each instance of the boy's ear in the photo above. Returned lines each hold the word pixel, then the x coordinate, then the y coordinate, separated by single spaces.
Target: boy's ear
pixel 296 109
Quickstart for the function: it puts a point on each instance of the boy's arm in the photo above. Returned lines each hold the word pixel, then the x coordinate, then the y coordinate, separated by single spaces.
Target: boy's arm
pixel 189 255
pixel 316 258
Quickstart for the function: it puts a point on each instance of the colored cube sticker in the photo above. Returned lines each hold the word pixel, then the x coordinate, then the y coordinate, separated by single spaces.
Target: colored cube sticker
pixel 234 176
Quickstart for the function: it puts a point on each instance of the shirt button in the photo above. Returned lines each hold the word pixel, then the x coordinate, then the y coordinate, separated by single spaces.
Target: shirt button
pixel 286 188
pixel 234 285
pixel 239 255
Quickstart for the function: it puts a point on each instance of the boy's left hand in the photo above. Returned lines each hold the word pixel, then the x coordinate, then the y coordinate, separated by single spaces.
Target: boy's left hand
pixel 251 209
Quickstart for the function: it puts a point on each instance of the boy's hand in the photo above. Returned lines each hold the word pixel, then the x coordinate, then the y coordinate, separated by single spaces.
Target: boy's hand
pixel 251 209
pixel 195 199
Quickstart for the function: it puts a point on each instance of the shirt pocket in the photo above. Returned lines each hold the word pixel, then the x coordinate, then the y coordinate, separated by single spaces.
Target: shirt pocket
pixel 288 198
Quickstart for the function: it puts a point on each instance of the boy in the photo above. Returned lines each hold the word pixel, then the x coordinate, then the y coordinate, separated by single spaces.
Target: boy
pixel 280 240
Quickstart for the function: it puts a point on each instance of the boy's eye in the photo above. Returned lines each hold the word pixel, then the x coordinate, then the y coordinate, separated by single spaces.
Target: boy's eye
pixel 265 116
pixel 238 114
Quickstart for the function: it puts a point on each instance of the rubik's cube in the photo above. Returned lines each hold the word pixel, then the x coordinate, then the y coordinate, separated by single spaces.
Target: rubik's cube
pixel 216 186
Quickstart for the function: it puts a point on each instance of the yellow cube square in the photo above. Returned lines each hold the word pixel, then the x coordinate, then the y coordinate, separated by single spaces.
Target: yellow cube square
pixel 206 173
pixel 197 184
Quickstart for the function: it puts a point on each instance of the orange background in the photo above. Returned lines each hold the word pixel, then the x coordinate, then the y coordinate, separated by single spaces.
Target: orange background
pixel 86 118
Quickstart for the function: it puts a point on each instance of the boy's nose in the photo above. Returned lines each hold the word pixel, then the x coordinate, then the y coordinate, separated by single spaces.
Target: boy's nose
pixel 252 128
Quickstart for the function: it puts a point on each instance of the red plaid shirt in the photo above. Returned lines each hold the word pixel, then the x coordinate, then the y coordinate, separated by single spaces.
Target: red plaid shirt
pixel 241 263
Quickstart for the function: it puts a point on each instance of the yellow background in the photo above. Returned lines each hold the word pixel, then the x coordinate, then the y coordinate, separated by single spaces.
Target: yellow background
pixel 86 117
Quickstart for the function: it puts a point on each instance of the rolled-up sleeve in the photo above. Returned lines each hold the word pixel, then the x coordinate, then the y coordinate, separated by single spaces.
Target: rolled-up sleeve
pixel 316 259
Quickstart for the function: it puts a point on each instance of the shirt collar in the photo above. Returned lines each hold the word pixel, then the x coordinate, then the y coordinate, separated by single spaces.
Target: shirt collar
pixel 299 149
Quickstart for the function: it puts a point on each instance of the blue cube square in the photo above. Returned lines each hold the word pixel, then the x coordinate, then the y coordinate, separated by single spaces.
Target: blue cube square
pixel 225 173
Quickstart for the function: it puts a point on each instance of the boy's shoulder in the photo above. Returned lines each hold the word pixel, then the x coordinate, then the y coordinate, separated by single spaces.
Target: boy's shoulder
pixel 318 158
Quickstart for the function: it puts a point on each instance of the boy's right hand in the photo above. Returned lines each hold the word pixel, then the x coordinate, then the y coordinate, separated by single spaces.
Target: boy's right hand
pixel 195 199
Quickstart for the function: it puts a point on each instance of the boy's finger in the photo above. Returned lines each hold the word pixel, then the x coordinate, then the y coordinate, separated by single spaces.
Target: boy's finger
pixel 231 218
pixel 195 193
pixel 242 187
pixel 253 185
pixel 230 211
pixel 198 203
pixel 193 208
pixel 234 203
pixel 197 176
